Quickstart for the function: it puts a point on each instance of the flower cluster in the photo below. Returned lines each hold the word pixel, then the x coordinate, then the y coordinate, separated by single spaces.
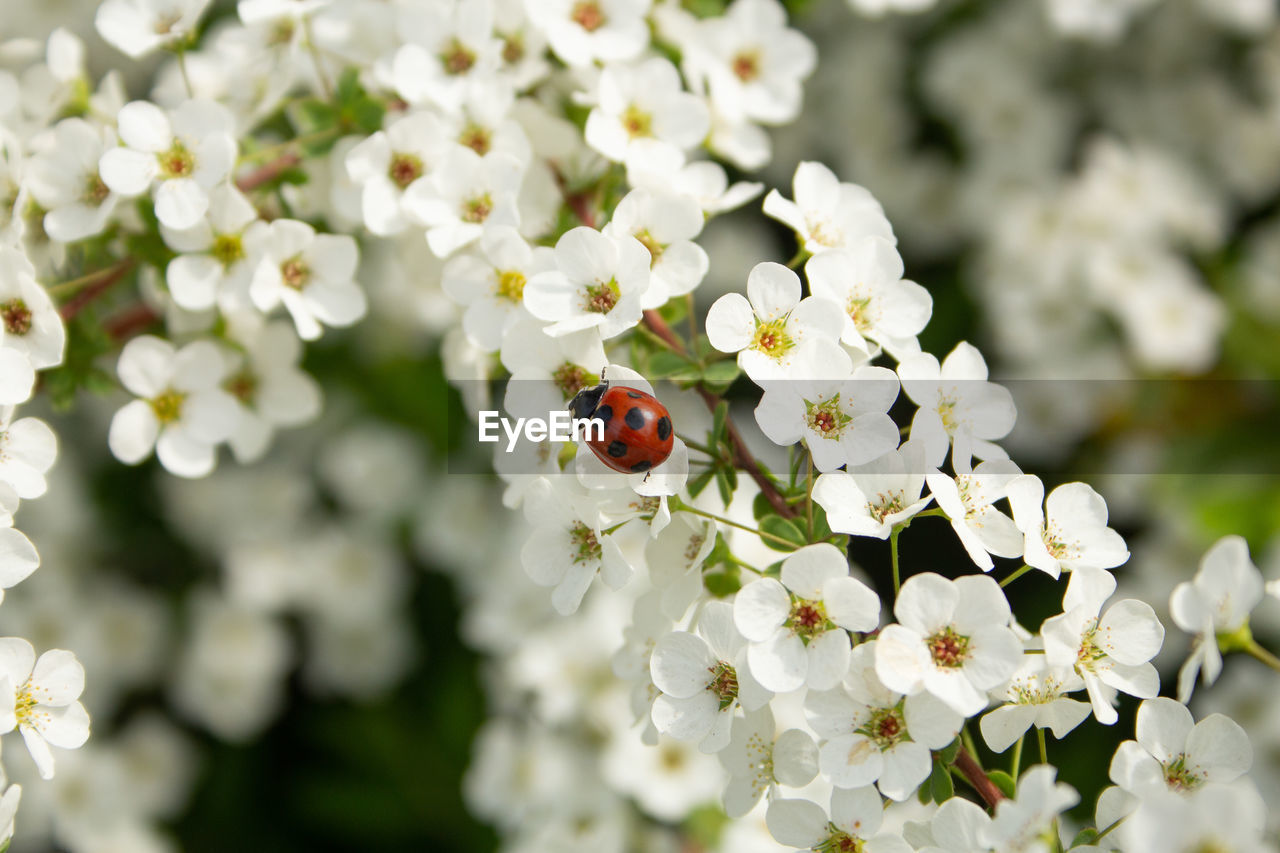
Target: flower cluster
pixel 529 183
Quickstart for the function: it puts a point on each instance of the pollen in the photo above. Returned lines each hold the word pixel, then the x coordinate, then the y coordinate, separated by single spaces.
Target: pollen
pixel 511 285
pixel 513 49
pixel 476 137
pixel 649 242
pixel 570 379
pixel 295 272
pixel 404 169
pixel 95 190
pixel 177 162
pixel 826 417
pixel 585 544
pixel 636 122
pixel 476 210
pixel 602 297
pixel 948 649
pixel 724 683
pixel 15 316
pixel 746 65
pixel 772 339
pixel 588 15
pixel 227 249
pixel 457 58
pixel 168 405
pixel 243 386
pixel 807 619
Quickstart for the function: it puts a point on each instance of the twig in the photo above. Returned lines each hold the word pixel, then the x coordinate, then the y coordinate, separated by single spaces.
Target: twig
pixel 268 171
pixel 129 321
pixel 968 766
pixel 110 276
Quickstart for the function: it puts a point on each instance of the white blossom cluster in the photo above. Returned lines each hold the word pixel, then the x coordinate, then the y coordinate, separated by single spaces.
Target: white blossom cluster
pixel 533 177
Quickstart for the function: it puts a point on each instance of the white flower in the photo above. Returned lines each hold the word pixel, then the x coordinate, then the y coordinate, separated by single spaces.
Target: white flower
pixel 644 102
pixel 1069 531
pixel 1111 651
pixel 597 284
pixel 65 180
pixel 856 816
pixel 798 627
pixel 968 500
pixel 866 280
pixel 183 412
pixel 138 27
pixel 752 62
pixel 957 404
pixel 580 31
pixel 1173 752
pixel 1029 822
pixel 27 450
pixel 954 828
pixel 1217 601
pixel 18 557
pixel 270 389
pixel 491 283
pixel 546 372
pixel 874 735
pixel 186 152
pixel 954 641
pixel 870 499
pixel 259 11
pixel 703 678
pixel 29 323
pixel 675 556
pixel 17 376
pixel 465 195
pixel 310 273
pixel 1034 696
pixel 665 225
pixel 1217 817
pixel 842 421
pixel 215 266
pixel 827 214
pixel 663 170
pixel 452 52
pixel 9 811
pixel 776 334
pixel 758 758
pixel 567 548
pixel 39 698
pixel 389 162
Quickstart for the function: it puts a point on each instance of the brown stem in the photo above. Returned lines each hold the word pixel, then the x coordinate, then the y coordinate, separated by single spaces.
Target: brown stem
pixel 129 321
pixel 968 766
pixel 111 275
pixel 742 457
pixel 268 171
pixel 579 202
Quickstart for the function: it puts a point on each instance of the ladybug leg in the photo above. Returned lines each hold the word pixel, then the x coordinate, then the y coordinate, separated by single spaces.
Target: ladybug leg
pixel 647 476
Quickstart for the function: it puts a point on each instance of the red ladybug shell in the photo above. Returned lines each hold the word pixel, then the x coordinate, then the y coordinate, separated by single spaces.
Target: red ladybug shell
pixel 638 434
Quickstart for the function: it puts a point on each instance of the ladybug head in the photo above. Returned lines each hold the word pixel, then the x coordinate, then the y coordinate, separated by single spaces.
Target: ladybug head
pixel 586 401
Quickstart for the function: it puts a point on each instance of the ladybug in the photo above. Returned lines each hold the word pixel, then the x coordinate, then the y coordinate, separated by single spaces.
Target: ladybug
pixel 638 435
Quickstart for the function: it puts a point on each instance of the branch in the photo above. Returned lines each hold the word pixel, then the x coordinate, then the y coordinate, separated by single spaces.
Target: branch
pixel 110 276
pixel 579 202
pixel 968 766
pixel 129 321
pixel 268 171
pixel 742 457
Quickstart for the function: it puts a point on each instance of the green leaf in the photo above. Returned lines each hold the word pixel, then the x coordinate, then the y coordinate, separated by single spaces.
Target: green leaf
pixel 1004 782
pixel 821 530
pixel 925 792
pixel 943 786
pixel 700 482
pixel 721 372
pixel 664 363
pixel 723 584
pixel 949 752
pixel 719 423
pixel 785 529
pixel 760 507
pixel 348 88
pixel 724 484
pixel 1088 835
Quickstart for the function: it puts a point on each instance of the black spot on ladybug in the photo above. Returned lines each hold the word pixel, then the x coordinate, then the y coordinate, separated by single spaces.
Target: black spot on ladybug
pixel 664 428
pixel 642 465
pixel 617 449
pixel 634 418
pixel 604 413
pixel 634 395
